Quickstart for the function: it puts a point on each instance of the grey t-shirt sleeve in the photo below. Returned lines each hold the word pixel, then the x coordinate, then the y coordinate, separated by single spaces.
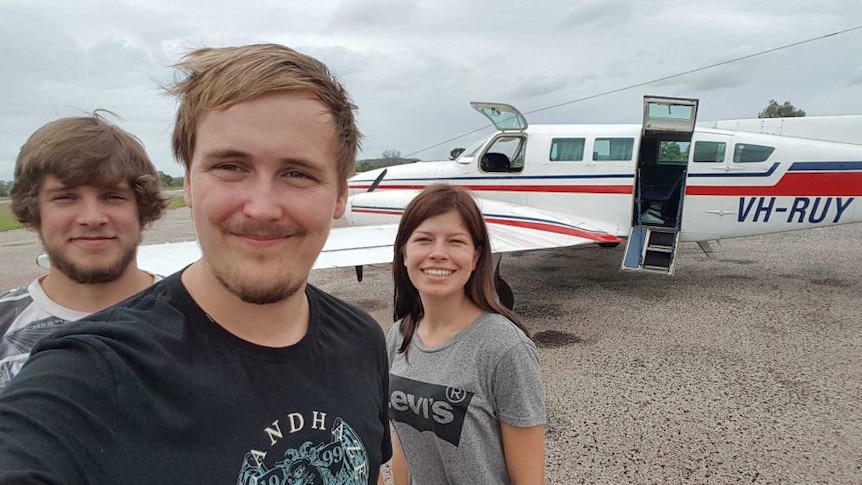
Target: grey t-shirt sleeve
pixel 393 341
pixel 518 393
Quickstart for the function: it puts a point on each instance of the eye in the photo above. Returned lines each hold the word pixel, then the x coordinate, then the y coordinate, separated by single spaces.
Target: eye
pixel 299 177
pixel 116 196
pixel 297 174
pixel 227 167
pixel 63 197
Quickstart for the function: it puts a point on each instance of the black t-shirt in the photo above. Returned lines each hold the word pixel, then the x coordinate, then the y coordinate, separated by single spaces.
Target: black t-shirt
pixel 153 391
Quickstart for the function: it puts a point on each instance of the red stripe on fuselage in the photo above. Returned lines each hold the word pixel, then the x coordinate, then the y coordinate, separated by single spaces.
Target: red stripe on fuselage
pixel 792 184
pixel 845 183
pixel 541 226
pixel 378 211
pixel 582 189
pixel 569 231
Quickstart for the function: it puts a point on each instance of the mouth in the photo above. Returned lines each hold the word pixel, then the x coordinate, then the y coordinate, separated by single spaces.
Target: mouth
pixel 99 237
pixel 92 242
pixel 255 237
pixel 261 241
pixel 437 272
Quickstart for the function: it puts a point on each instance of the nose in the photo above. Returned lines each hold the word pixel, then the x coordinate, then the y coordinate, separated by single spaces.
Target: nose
pixel 438 251
pixel 91 212
pixel 263 201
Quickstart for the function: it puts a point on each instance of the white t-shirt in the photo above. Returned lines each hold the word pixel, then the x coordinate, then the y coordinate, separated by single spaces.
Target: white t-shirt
pixel 26 315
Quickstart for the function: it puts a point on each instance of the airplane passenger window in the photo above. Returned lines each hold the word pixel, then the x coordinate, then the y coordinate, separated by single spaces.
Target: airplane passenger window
pixel 709 151
pixel 673 152
pixel 745 153
pixel 567 150
pixel 613 149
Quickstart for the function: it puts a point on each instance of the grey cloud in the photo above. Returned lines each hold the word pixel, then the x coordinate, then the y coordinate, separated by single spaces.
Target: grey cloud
pixel 537 85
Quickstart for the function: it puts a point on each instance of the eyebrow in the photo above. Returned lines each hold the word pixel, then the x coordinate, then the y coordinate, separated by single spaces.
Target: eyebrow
pixel 228 153
pixel 66 188
pixel 224 153
pixel 459 233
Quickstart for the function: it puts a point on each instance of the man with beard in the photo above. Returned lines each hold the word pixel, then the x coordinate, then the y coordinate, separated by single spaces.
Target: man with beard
pixel 88 188
pixel 235 369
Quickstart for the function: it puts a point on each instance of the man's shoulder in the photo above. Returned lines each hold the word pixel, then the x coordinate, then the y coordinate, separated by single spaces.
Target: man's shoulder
pixel 15 295
pixel 12 305
pixel 327 300
pixel 150 307
pixel 339 312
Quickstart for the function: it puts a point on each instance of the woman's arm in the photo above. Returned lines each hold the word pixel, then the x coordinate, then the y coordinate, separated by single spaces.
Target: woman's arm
pixel 524 449
pixel 400 476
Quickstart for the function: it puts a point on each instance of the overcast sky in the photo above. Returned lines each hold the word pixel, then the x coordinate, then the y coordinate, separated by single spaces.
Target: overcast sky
pixel 412 67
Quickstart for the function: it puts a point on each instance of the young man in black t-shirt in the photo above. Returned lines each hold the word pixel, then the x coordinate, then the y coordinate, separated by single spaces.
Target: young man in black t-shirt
pixel 234 369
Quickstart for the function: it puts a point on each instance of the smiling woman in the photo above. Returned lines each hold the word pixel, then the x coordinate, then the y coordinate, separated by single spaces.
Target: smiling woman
pixel 455 345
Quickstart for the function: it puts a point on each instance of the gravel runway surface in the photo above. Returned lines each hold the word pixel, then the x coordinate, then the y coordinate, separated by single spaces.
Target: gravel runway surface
pixel 742 368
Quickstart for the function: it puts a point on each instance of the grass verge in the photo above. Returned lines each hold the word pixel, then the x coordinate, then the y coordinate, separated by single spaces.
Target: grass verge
pixel 8 221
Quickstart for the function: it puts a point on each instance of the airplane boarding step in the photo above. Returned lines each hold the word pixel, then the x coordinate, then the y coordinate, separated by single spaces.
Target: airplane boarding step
pixel 651 249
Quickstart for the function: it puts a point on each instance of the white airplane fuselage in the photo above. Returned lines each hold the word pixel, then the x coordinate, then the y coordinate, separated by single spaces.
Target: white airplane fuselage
pixel 802 183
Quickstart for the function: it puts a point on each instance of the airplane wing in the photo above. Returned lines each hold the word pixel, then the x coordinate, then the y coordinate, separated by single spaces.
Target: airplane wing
pixel 526 231
pixel 346 246
pixel 511 227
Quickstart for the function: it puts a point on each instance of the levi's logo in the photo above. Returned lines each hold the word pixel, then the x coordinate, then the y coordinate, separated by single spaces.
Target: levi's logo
pixel 429 407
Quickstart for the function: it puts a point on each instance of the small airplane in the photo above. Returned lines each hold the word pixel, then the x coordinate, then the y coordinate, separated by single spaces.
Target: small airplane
pixel 657 184
pixel 653 185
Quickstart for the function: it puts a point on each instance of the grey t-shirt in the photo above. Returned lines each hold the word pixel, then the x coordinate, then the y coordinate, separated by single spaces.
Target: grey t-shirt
pixel 446 403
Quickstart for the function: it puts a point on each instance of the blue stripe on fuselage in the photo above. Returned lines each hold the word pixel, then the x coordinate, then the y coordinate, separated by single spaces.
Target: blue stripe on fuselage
pixel 823 166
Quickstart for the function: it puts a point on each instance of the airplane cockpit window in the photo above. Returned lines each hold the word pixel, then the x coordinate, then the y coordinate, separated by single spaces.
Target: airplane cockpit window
pixel 506 154
pixel 612 149
pixel 709 151
pixel 472 148
pixel 747 153
pixel 567 150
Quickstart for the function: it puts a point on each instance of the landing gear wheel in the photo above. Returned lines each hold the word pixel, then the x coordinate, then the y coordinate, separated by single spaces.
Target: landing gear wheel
pixel 504 291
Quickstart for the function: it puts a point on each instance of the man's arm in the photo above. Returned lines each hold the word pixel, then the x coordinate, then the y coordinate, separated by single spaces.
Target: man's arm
pixel 57 418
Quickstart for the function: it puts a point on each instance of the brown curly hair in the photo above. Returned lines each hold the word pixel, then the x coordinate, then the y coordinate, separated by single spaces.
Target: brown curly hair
pixel 85 150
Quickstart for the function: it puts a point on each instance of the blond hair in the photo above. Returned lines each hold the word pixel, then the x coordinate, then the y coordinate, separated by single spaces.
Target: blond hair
pixel 218 78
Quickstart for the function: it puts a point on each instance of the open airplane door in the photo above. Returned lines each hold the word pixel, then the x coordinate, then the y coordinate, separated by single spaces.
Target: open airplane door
pixel 505 154
pixel 660 177
pixel 504 116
